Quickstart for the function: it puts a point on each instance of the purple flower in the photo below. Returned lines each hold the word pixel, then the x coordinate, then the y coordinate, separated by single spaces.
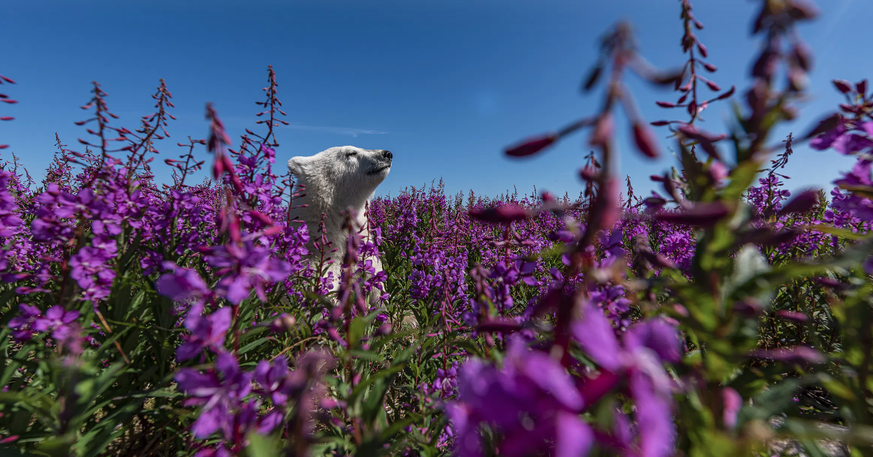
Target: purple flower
pixel 181 283
pixel 218 391
pixel 9 219
pixel 851 143
pixel 91 271
pixel 796 354
pixel 217 451
pixel 657 335
pixel 644 348
pixel 825 140
pixel 208 332
pixel 531 384
pixel 245 267
pixel 56 318
pixel 273 379
pixel 70 338
pixel 22 325
pixel 65 331
pixel 732 402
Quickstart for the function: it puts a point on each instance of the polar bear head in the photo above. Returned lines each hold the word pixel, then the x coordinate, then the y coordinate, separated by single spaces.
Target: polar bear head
pixel 341 177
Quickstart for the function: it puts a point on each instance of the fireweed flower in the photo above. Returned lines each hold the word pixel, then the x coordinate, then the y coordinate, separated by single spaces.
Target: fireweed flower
pixel 273 379
pixel 90 270
pixel 245 267
pixel 70 338
pixel 219 391
pixel 639 357
pixel 206 332
pixel 445 385
pixel 62 324
pixel 182 284
pixel 275 384
pixel 9 219
pixel 55 320
pixel 768 196
pixel 22 325
pixel 531 400
pixel 48 226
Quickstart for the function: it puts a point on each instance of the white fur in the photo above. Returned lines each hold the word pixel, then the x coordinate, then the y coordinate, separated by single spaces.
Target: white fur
pixel 334 180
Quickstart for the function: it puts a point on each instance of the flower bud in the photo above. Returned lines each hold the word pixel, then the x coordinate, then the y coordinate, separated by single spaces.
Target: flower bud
pixel 765 66
pixel 842 85
pixel 592 78
pixel 666 78
pixel 644 140
pixel 825 125
pixel 797 79
pixel 283 323
pixel 802 55
pixel 602 130
pixel 589 173
pixel 499 325
pixel 749 307
pixel 500 215
pixel 797 354
pixel 701 215
pixel 801 10
pixel 531 146
pixel 792 316
pixel 384 329
pixel 802 203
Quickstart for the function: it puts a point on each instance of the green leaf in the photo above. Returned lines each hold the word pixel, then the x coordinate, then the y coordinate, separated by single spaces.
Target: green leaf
pixel 262 446
pixel 367 355
pixel 769 402
pixel 358 325
pixel 252 345
pixel 389 338
pixel 842 233
pixel 98 438
pixel 395 428
pixel 363 385
pixel 741 177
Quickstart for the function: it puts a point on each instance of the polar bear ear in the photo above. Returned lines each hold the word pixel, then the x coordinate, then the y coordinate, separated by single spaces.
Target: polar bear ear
pixel 296 165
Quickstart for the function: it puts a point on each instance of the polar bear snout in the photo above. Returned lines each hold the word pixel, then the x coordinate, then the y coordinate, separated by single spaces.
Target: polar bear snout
pixel 383 161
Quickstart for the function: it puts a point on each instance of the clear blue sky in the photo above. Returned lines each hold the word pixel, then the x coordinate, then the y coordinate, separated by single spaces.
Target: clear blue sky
pixel 445 85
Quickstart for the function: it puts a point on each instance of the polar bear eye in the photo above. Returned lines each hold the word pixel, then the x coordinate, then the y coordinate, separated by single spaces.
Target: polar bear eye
pixel 351 154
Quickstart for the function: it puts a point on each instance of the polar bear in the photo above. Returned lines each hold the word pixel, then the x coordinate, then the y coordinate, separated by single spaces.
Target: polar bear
pixel 332 181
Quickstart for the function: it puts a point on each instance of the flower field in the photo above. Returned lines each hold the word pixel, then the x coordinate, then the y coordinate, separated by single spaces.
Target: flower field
pixel 713 317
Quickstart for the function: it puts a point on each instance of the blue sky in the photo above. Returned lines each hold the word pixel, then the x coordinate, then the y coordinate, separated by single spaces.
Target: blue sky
pixel 445 85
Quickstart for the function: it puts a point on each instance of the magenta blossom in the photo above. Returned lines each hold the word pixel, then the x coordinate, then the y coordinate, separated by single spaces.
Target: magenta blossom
pixel 65 330
pixel 56 318
pixel 22 325
pixel 218 391
pixel 206 332
pixel 245 267
pixel 182 284
pixel 531 400
pixel 638 357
